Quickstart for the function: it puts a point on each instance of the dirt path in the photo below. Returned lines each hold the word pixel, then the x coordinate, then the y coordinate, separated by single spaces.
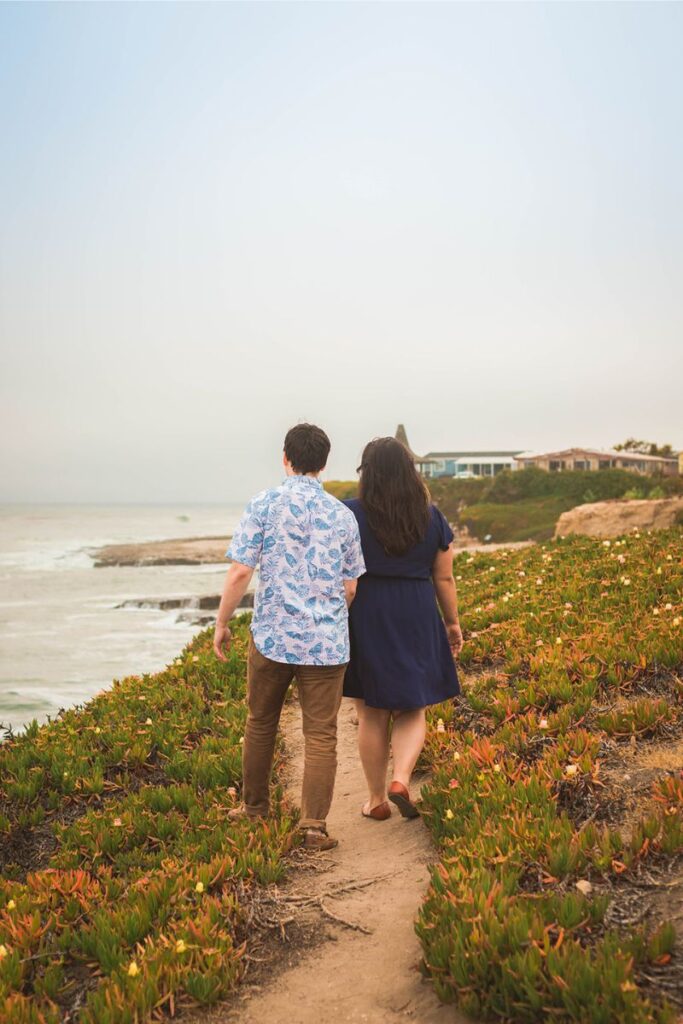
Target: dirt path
pixel 350 976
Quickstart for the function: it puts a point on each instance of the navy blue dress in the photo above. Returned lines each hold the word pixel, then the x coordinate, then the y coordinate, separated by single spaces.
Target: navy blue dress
pixel 400 656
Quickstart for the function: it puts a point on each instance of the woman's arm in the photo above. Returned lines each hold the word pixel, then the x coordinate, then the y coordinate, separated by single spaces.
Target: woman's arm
pixel 444 585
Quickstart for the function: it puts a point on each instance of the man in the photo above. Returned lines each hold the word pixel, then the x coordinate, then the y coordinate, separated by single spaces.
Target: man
pixel 307 548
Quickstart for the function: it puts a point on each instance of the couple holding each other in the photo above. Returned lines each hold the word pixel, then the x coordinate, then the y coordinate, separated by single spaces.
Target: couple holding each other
pixel 346 605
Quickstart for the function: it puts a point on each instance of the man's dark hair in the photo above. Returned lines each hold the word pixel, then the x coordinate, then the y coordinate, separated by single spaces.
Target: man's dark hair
pixel 307 448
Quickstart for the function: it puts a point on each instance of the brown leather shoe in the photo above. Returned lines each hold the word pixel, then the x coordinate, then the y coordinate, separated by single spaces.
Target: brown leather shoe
pixel 380 813
pixel 399 795
pixel 316 839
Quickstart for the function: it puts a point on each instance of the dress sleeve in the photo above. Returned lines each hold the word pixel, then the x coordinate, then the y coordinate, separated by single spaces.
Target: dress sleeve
pixel 247 541
pixel 445 533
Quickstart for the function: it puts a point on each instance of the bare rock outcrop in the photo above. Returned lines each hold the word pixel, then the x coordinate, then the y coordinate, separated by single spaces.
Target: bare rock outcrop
pixel 612 518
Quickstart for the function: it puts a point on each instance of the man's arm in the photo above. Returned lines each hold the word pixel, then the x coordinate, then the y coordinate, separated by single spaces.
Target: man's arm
pixel 444 585
pixel 237 579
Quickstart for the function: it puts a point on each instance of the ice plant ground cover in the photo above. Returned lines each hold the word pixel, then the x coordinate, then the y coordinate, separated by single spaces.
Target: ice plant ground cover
pixel 123 885
pixel 559 874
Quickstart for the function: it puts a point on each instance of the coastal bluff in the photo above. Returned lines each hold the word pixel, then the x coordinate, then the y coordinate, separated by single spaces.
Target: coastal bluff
pixel 185 551
pixel 612 518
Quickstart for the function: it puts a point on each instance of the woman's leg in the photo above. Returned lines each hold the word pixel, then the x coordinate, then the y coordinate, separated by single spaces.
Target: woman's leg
pixel 407 740
pixel 373 747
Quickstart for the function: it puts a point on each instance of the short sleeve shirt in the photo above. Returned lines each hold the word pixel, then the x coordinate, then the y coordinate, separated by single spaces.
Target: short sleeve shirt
pixel 305 543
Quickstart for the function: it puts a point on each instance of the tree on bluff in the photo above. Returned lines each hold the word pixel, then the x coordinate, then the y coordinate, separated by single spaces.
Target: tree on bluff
pixel 664 451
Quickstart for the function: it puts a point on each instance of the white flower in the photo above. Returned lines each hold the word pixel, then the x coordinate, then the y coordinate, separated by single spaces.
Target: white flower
pixel 568 604
pixel 440 727
pixel 571 769
pixel 668 606
pixel 148 721
pixel 606 543
pixel 655 611
pixel 456 755
pixel 676 620
pixel 543 724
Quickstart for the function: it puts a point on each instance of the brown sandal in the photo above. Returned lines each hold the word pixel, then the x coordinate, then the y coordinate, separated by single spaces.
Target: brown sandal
pixel 379 813
pixel 399 795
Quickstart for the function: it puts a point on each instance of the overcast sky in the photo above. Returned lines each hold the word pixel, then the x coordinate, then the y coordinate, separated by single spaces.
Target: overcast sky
pixel 219 220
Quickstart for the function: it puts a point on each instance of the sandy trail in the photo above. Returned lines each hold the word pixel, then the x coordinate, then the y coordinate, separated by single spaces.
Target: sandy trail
pixel 351 976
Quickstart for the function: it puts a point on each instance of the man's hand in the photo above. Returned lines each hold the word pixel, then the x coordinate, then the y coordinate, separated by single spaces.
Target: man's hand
pixel 455 640
pixel 222 639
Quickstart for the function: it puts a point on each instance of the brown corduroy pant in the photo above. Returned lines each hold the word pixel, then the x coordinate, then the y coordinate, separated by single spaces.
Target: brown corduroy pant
pixel 320 692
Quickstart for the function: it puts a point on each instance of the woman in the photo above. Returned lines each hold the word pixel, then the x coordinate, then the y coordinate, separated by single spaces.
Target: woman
pixel 401 650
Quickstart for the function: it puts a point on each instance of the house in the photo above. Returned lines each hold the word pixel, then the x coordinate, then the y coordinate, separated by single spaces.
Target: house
pixel 596 459
pixel 461 464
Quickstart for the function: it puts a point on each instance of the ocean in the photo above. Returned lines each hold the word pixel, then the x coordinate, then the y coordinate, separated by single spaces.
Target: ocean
pixel 62 635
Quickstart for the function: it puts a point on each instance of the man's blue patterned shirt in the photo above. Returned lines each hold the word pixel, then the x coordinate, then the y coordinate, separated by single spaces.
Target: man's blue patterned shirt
pixel 305 544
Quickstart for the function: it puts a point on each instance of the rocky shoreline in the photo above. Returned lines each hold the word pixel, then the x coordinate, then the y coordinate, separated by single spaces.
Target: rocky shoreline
pixel 178 551
pixel 208 551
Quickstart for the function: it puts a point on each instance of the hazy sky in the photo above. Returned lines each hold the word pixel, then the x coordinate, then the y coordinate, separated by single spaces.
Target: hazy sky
pixel 218 220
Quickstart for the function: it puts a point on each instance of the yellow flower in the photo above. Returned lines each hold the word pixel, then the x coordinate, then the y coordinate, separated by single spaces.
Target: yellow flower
pixel 558 639
pixel 659 570
pixel 11 905
pixel 496 768
pixel 449 817
pixel 180 946
pixel 148 721
pixel 4 951
pixel 133 969
pixel 655 611
pixel 456 755
pixel 676 620
pixel 97 730
pixel 199 887
pixel 440 727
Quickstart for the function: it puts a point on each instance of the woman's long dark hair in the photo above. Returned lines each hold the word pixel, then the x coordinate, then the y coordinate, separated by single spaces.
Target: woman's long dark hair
pixel 394 495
